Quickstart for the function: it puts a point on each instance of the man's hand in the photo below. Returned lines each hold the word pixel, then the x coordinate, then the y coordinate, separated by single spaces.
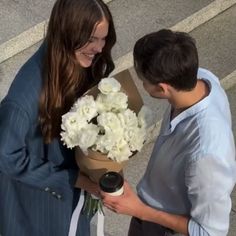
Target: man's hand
pixel 128 203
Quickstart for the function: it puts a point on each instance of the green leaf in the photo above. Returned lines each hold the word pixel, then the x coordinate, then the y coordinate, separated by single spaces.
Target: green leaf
pixel 91 205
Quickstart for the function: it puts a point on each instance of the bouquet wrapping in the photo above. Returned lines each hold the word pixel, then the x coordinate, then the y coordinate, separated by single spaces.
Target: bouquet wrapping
pixel 106 126
pixel 95 164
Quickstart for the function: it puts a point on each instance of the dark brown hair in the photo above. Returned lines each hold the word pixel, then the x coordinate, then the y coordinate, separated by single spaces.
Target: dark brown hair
pixel 70 26
pixel 168 57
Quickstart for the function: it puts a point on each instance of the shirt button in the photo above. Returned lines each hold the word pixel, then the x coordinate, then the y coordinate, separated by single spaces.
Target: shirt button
pixel 58 196
pixel 53 193
pixel 47 189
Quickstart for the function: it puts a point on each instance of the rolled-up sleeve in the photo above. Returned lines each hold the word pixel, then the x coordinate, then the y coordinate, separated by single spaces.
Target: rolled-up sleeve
pixel 210 181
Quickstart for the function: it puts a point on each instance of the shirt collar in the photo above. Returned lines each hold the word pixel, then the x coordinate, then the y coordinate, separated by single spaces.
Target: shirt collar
pixel 191 111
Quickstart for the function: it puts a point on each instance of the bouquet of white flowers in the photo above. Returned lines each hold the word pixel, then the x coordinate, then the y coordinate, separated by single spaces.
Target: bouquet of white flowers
pixel 107 126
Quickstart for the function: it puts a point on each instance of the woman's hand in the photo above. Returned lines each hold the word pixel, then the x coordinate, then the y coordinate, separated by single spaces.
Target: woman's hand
pixel 89 186
pixel 128 203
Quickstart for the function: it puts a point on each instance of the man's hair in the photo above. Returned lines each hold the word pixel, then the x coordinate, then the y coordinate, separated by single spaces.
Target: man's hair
pixel 167 57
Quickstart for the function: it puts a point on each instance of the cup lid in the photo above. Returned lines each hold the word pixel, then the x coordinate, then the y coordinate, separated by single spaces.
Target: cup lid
pixel 111 182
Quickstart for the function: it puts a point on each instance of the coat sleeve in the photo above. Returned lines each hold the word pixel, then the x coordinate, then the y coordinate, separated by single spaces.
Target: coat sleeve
pixel 16 161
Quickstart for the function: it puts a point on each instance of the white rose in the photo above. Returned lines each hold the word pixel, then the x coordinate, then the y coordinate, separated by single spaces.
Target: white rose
pixel 114 102
pixel 118 101
pixel 71 122
pixel 88 136
pixel 105 142
pixel 128 118
pixel 109 121
pixel 120 152
pixel 86 107
pixel 109 85
pixel 70 140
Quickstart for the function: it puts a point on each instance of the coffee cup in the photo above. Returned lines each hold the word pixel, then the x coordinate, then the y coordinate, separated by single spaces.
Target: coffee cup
pixel 112 183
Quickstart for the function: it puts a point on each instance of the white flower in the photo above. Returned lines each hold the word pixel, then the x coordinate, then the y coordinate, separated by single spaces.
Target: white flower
pixel 109 85
pixel 128 118
pixel 105 142
pixel 72 122
pixel 114 102
pixel 119 101
pixel 109 121
pixel 120 151
pixel 86 107
pixel 69 139
pixel 88 136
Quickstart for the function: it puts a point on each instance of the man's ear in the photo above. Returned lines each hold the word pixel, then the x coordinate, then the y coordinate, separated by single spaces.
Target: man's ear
pixel 162 88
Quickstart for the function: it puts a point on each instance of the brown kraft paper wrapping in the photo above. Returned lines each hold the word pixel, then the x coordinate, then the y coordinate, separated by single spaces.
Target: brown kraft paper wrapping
pixel 95 164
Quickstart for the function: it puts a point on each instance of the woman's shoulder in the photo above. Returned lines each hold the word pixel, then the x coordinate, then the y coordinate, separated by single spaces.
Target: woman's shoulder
pixel 25 89
pixel 28 81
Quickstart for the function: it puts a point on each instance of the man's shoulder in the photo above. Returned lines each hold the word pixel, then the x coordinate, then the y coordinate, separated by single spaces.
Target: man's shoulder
pixel 207 74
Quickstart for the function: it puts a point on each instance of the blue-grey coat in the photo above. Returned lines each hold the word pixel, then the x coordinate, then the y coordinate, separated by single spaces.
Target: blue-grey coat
pixel 37 196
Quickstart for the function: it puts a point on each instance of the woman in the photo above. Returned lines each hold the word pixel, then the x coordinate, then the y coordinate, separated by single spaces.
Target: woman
pixel 38 175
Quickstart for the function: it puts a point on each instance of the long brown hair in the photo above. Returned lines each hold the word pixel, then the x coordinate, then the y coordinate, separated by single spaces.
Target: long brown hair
pixel 70 27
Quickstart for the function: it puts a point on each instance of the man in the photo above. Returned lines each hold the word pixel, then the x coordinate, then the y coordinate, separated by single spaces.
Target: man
pixel 192 171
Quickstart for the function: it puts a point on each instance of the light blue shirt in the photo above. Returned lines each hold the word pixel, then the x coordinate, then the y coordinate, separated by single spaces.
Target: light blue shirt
pixel 192 169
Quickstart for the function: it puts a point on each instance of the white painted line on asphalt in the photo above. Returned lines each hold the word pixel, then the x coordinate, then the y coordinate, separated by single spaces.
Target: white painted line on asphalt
pixel 22 41
pixel 229 81
pixel 25 40
pixel 37 32
pixel 186 25
pixel 203 15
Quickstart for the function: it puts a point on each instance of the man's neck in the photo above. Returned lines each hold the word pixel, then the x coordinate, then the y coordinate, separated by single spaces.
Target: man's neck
pixel 182 100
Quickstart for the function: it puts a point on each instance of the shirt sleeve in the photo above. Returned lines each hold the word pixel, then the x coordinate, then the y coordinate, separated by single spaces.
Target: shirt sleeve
pixel 210 181
pixel 16 161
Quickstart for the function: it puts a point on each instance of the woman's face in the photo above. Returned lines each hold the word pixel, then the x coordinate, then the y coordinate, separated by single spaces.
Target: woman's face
pixel 86 54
